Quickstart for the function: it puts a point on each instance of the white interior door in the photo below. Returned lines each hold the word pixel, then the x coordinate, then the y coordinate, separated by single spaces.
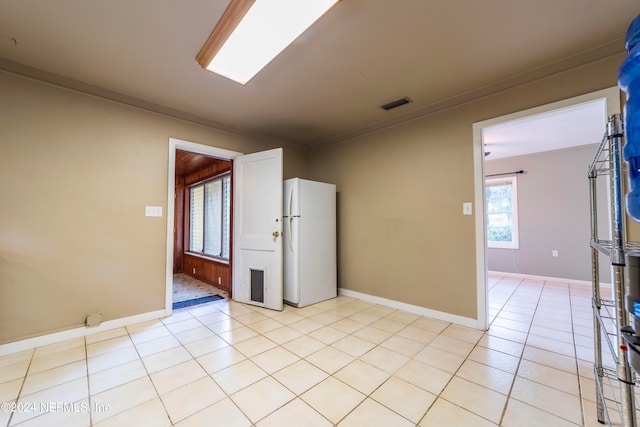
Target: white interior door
pixel 257 229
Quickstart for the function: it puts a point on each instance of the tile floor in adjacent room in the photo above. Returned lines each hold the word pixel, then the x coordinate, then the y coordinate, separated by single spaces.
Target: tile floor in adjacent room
pixel 341 362
pixel 187 288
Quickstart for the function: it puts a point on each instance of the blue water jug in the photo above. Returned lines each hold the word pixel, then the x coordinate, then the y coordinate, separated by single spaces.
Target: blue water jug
pixel 629 82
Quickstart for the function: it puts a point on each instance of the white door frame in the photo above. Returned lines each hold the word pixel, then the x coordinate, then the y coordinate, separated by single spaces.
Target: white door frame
pixel 612 95
pixel 178 144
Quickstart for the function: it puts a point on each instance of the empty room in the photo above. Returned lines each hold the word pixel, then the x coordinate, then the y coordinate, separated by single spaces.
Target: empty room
pixel 153 203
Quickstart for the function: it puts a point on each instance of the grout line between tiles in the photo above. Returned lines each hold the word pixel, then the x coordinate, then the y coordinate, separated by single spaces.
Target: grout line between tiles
pixel 515 374
pixel 573 336
pixel 86 364
pixel 24 379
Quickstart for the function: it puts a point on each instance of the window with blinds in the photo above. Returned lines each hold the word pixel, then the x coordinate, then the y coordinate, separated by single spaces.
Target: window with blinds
pixel 502 213
pixel 210 217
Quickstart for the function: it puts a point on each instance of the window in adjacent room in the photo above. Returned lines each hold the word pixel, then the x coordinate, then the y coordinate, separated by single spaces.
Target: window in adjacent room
pixel 502 213
pixel 210 217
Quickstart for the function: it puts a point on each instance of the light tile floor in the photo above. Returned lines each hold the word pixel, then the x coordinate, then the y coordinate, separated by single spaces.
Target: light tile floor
pixel 342 362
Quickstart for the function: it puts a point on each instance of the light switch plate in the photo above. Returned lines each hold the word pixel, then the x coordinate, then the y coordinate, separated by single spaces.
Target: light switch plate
pixel 467 208
pixel 153 211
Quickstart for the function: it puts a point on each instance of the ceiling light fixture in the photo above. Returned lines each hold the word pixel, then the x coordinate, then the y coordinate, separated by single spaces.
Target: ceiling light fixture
pixel 253 32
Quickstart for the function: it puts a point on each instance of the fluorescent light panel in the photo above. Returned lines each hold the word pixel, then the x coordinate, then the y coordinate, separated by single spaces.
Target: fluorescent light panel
pixel 268 27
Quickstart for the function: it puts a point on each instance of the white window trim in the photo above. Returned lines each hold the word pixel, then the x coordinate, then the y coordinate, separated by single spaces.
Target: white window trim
pixel 515 240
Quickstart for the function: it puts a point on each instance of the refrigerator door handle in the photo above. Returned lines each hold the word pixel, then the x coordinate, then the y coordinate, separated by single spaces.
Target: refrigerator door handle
pixel 290 218
pixel 289 234
pixel 290 201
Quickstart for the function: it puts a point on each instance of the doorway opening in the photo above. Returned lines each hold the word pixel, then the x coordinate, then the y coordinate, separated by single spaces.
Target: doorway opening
pixel 199 224
pixel 513 153
pixel 202 229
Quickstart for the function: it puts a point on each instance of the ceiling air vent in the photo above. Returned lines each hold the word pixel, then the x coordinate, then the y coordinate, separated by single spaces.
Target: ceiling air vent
pixel 393 104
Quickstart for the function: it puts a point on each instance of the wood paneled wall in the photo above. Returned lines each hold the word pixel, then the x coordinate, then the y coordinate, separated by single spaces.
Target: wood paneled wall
pixel 207 270
pixel 178 225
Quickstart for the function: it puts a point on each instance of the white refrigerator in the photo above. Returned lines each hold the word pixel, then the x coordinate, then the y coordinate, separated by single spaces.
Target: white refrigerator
pixel 309 239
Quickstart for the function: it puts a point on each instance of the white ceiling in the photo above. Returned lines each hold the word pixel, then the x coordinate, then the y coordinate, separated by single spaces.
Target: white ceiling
pixel 328 85
pixel 578 125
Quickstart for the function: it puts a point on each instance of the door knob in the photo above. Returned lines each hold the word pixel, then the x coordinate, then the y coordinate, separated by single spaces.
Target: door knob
pixel 275 234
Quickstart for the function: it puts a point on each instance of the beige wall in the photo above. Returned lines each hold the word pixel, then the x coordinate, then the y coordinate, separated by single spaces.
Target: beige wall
pixel 75 174
pixel 402 234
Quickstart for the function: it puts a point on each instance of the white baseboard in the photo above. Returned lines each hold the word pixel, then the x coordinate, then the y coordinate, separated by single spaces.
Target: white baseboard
pixel 439 315
pixel 56 337
pixel 547 278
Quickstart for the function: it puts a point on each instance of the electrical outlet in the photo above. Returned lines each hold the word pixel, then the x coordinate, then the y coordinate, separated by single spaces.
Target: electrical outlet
pixel 467 208
pixel 554 252
pixel 219 280
pixel 194 270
